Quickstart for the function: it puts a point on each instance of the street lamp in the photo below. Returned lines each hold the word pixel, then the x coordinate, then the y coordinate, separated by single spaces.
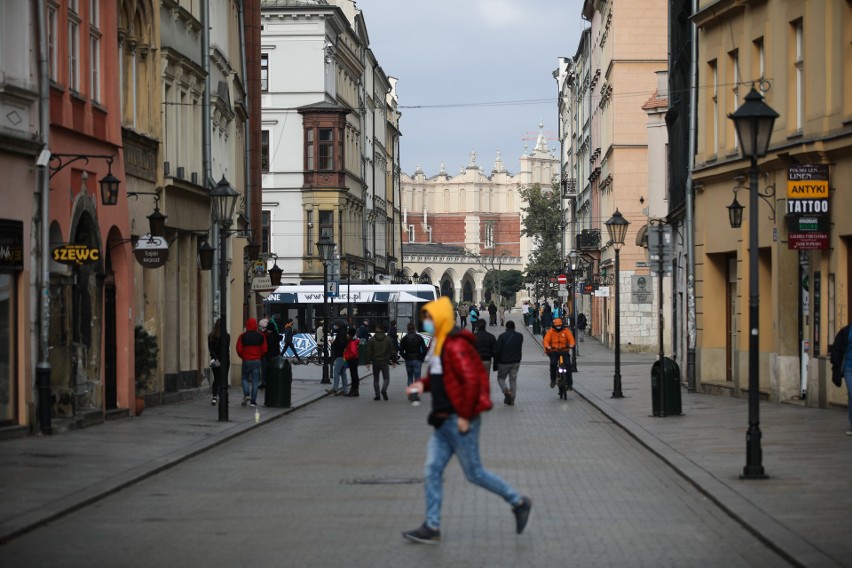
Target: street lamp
pixel 616 226
pixel 326 249
pixel 573 258
pixel 753 120
pixel 224 202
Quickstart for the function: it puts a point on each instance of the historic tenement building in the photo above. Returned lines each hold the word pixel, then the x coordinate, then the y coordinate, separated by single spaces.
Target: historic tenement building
pixel 455 228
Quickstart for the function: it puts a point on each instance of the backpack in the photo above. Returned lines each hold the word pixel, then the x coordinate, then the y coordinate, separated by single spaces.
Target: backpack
pixel 351 351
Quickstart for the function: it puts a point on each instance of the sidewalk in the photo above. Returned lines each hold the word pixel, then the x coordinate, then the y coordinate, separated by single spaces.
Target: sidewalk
pixel 802 511
pixel 45 477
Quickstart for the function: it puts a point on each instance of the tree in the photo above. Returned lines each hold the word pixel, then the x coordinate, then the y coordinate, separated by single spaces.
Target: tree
pixel 542 222
pixel 507 282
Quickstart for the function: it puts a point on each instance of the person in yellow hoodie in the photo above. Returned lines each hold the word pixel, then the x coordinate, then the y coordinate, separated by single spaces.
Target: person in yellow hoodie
pixel 456 378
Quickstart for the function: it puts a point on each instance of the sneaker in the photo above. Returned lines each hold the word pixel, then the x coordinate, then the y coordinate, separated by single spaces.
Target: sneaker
pixel 385 395
pixel 377 398
pixel 246 400
pixel 423 535
pixel 252 403
pixel 507 397
pixel 522 514
pixel 215 401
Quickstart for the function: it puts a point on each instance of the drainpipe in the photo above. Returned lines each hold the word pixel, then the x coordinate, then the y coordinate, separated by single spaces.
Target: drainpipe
pixel 206 157
pixel 247 138
pixel 43 366
pixel 690 221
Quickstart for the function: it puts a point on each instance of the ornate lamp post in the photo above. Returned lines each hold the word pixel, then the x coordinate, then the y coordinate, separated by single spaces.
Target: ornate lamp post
pixel 753 121
pixel 616 226
pixel 326 249
pixel 224 201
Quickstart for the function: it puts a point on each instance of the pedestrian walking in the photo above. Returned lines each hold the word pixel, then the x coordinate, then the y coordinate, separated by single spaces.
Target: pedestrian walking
pixel 220 358
pixel 412 348
pixel 581 326
pixel 251 347
pixel 381 353
pixel 485 343
pixel 507 360
pixel 288 340
pixel 463 315
pixel 339 368
pixel 558 341
pixel 394 335
pixel 492 313
pixel 351 355
pixel 460 394
pixel 273 346
pixel 841 366
pixel 525 311
pixel 364 331
pixel 502 313
pixel 473 314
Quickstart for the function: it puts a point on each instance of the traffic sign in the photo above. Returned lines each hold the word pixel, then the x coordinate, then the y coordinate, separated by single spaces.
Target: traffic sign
pixel 332 288
pixel 562 279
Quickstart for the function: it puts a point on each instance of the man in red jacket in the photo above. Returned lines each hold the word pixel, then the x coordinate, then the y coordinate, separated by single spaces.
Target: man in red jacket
pixel 251 347
pixel 460 393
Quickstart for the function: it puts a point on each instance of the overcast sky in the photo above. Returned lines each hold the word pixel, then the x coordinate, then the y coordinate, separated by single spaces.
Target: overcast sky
pixel 460 55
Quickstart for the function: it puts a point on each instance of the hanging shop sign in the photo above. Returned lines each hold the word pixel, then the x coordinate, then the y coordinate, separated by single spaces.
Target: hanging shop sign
pixel 11 245
pixel 76 255
pixel 151 252
pixel 807 207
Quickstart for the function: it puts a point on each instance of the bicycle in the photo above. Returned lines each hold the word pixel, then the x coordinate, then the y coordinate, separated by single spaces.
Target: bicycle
pixel 562 377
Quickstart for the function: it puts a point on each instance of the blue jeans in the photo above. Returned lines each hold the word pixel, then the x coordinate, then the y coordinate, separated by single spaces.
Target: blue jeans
pixel 339 373
pixel 445 442
pixel 413 367
pixel 251 371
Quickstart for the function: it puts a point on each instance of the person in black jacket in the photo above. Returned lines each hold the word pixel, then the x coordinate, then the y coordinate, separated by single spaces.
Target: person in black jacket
pixel 485 343
pixel 220 358
pixel 841 365
pixel 507 360
pixel 412 348
pixel 338 371
pixel 288 341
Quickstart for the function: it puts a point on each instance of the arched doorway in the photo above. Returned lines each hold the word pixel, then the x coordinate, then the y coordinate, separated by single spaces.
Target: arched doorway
pixel 467 291
pixel 447 289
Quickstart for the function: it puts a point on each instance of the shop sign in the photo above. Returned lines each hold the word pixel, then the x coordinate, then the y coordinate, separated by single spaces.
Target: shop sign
pixel 11 244
pixel 151 252
pixel 807 207
pixel 807 241
pixel 76 255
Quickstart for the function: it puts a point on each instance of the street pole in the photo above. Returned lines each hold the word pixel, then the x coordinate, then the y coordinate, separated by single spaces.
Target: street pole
pixel 754 455
pixel 662 374
pixel 616 379
pixel 325 327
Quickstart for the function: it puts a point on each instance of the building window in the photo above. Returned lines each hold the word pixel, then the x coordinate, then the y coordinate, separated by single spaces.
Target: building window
pixel 760 57
pixel 326 222
pixel 264 72
pixel 735 90
pixel 489 234
pixel 95 61
pixel 264 151
pixel 309 233
pixel 799 66
pixel 309 150
pixel 714 79
pixel 411 233
pixel 51 42
pixel 326 149
pixel 73 50
pixel 265 231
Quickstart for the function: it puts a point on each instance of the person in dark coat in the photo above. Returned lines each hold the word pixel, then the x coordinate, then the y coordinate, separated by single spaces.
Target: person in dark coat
pixel 273 346
pixel 841 365
pixel 412 348
pixel 492 313
pixel 485 343
pixel 507 360
pixel 288 341
pixel 581 325
pixel 338 372
pixel 220 358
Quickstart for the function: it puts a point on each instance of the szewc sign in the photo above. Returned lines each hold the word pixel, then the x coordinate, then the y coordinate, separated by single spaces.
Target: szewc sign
pixel 807 207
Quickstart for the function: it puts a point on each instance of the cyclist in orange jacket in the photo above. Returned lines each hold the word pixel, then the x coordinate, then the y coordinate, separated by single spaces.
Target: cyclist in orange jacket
pixel 559 341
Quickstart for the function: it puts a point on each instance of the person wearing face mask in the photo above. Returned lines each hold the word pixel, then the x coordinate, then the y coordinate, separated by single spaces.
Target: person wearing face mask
pixel 558 341
pixel 460 394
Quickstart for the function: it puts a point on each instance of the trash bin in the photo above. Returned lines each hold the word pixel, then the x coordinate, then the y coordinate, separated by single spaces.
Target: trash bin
pixel 536 326
pixel 665 393
pixel 279 381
